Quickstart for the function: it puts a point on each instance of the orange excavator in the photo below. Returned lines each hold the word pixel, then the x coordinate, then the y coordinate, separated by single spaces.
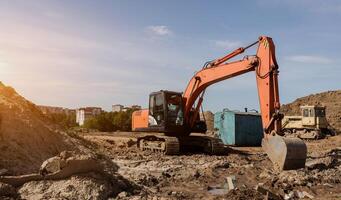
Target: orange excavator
pixel 172 118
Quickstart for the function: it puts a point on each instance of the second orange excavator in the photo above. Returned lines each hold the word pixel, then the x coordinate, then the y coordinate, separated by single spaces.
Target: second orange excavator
pixel 176 115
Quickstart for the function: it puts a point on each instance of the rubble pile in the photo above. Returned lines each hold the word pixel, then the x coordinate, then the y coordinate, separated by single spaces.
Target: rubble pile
pixel 69 175
pixel 245 173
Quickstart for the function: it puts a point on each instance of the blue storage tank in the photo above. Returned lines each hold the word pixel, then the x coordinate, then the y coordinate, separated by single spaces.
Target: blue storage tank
pixel 239 128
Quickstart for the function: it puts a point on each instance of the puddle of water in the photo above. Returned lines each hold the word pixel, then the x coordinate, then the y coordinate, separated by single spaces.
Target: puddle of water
pixel 218 191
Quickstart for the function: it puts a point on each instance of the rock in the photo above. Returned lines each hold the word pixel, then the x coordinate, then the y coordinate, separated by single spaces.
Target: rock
pixel 121 144
pixel 230 182
pixel 56 168
pixel 327 184
pixel 122 194
pixel 221 164
pixel 306 194
pixel 196 174
pixel 153 190
pixel 91 186
pixel 322 163
pixel 50 165
pixel 248 166
pixel 303 194
pixel 131 143
pixel 289 196
pixel 7 190
pixel 267 192
pixel 264 174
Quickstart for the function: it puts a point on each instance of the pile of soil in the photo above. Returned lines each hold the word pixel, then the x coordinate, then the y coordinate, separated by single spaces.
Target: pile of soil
pixel 26 137
pixel 330 99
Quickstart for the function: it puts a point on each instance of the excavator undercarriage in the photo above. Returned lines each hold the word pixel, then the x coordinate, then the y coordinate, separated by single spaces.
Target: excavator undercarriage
pixel 170 145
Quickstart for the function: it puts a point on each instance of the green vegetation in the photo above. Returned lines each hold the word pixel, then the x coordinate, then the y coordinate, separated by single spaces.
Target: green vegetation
pixel 63 119
pixel 111 121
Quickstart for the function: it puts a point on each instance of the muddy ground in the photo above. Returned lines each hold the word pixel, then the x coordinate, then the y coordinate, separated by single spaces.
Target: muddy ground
pixel 199 176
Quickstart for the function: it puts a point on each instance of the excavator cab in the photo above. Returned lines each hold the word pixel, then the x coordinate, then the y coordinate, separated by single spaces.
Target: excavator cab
pixel 166 112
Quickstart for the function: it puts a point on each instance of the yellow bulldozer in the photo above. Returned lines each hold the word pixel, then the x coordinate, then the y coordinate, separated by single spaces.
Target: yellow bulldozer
pixel 311 124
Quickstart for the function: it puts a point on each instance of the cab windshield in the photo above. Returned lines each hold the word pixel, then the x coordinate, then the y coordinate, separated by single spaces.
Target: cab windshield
pixel 174 109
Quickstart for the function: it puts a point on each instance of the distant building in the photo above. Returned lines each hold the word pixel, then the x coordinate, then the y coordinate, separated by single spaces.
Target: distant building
pixel 56 110
pixel 117 108
pixel 83 114
pixel 121 108
pixel 135 107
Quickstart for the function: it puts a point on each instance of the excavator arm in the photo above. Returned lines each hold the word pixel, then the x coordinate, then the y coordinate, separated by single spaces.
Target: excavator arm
pixel 283 152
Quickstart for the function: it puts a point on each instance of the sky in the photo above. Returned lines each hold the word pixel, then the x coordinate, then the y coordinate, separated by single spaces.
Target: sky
pixel 98 53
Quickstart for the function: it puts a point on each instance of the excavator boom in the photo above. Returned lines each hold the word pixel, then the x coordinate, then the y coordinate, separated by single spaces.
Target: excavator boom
pixel 285 153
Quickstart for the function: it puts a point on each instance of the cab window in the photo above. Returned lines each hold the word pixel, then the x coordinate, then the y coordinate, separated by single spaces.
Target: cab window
pixel 305 113
pixel 311 113
pixel 174 109
pixel 156 110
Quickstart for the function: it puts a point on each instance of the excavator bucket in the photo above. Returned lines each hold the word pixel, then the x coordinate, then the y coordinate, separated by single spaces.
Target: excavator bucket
pixel 285 153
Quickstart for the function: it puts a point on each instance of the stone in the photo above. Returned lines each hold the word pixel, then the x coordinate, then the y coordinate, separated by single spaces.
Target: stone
pixel 303 194
pixel 264 174
pixel 289 196
pixel 321 163
pixel 50 165
pixel 268 193
pixel 230 182
pixel 122 194
pixel 196 174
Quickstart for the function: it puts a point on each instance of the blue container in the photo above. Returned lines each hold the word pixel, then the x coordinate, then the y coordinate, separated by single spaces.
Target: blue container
pixel 239 128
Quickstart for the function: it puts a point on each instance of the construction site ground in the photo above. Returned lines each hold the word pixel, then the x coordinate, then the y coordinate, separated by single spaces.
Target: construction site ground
pixel 199 176
pixel 41 160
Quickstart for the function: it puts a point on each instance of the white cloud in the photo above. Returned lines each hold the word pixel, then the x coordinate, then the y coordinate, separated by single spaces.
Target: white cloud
pixel 310 59
pixel 227 44
pixel 159 30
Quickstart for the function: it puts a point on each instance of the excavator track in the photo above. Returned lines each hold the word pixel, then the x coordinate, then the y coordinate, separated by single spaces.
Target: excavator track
pixel 163 144
pixel 217 146
pixel 202 144
pixel 170 145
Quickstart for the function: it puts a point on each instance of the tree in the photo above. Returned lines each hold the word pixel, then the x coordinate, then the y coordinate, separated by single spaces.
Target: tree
pixel 111 121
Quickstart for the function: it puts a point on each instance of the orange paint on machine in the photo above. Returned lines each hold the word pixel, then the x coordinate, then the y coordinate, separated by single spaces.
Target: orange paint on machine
pixel 177 114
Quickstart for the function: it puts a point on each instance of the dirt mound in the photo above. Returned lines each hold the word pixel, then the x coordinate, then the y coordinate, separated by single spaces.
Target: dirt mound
pixel 26 137
pixel 330 99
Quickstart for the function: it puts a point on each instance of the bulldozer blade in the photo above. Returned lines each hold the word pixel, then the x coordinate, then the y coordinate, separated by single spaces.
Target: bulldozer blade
pixel 285 153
